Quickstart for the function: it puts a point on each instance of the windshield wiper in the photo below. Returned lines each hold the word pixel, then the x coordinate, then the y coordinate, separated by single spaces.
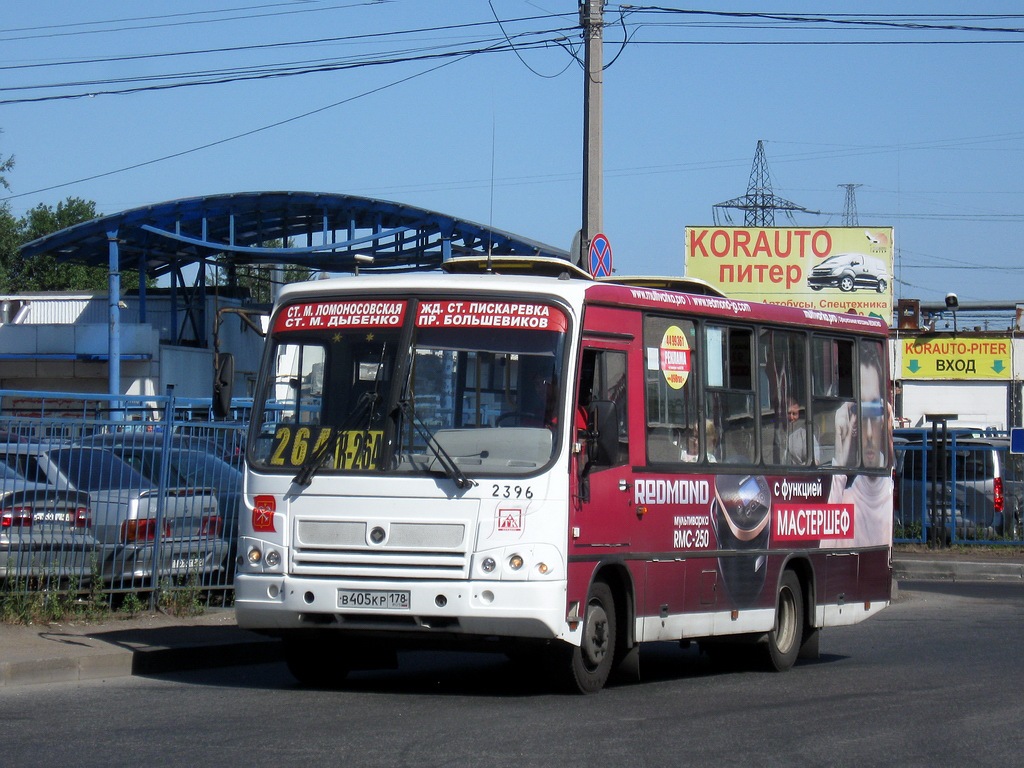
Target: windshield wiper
pixel 364 405
pixel 318 458
pixel 451 469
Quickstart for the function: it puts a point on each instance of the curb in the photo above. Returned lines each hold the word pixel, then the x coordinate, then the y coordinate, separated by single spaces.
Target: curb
pixel 956 570
pixel 125 662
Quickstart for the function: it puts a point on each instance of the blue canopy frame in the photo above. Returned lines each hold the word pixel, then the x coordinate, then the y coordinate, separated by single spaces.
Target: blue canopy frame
pixel 339 233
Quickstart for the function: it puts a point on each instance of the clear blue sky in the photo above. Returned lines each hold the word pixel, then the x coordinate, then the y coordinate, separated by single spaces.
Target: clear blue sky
pixel 927 118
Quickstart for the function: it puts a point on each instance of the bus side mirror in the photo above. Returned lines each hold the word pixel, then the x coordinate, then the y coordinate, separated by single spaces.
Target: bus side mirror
pixel 603 440
pixel 223 378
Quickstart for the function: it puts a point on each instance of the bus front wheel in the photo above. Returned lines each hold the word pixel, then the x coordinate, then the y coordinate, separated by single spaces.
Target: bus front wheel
pixel 786 637
pixel 585 669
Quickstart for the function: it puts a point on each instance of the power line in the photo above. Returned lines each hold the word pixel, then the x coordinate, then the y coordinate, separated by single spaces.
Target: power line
pixel 360 38
pixel 915 22
pixel 227 139
pixel 246 16
pixel 201 79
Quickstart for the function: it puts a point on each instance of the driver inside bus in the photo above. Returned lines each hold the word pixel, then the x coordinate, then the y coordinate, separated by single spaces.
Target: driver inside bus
pixel 542 398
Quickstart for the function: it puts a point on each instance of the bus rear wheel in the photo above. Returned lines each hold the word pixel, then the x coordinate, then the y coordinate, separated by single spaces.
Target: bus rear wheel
pixel 786 637
pixel 585 669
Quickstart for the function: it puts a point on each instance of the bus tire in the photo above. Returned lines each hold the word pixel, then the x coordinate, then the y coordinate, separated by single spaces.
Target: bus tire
pixel 786 637
pixel 585 669
pixel 317 662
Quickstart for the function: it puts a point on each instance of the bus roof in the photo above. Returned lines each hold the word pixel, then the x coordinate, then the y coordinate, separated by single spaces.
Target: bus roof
pixel 561 278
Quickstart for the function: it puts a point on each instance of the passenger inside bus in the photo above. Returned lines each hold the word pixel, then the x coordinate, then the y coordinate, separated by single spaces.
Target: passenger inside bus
pixel 689 444
pixel 543 397
pixel 797 441
pixel 711 440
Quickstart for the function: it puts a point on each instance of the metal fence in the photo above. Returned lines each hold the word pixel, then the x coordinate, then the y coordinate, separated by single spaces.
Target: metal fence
pixel 102 498
pixel 964 489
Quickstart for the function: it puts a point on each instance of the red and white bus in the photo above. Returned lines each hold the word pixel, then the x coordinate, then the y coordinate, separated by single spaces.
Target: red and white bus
pixel 525 458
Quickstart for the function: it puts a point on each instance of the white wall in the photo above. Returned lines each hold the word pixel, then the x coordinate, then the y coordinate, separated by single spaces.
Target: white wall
pixel 48 343
pixel 975 404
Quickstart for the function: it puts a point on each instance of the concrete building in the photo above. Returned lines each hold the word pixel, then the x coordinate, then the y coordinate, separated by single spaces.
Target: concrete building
pixel 59 342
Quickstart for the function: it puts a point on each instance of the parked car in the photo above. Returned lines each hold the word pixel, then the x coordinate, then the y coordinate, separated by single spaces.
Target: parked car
pixel 967 484
pixel 224 440
pixel 190 465
pixel 45 533
pixel 133 521
pixel 848 272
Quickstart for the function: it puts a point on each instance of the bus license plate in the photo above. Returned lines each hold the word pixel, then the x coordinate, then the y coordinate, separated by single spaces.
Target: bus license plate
pixel 378 599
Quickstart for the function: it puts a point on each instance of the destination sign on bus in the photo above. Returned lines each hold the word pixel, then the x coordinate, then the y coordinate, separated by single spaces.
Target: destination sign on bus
pixel 339 315
pixel 354 449
pixel 490 314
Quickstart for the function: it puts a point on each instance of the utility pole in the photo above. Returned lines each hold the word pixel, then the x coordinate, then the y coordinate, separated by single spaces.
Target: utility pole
pixel 592 21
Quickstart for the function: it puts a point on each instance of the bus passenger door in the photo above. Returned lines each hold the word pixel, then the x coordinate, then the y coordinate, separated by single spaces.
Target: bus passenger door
pixel 604 515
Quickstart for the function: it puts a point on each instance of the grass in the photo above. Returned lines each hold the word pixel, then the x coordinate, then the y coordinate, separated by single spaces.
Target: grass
pixel 48 599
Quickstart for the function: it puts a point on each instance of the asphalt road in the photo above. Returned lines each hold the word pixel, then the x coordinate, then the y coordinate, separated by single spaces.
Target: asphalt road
pixel 934 680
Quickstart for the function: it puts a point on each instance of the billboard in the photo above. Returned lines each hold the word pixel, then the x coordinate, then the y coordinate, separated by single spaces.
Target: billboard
pixel 840 269
pixel 945 357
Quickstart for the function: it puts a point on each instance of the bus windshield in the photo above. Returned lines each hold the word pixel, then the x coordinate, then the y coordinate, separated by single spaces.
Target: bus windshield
pixel 452 387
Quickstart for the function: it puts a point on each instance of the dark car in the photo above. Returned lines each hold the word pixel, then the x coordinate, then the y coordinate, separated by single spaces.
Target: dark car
pixel 848 272
pixel 224 440
pixel 45 532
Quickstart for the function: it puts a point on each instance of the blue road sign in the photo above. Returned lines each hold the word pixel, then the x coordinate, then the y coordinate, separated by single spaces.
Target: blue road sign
pixel 1017 440
pixel 600 256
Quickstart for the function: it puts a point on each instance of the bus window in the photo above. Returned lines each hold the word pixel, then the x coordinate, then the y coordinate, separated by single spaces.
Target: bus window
pixel 674 422
pixel 729 400
pixel 785 434
pixel 873 421
pixel 604 377
pixel 300 383
pixel 832 382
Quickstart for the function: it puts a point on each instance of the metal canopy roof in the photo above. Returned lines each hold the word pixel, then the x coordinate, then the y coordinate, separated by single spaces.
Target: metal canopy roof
pixel 327 231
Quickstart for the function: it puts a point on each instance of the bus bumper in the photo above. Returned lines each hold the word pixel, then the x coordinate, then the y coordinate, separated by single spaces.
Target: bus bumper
pixel 505 609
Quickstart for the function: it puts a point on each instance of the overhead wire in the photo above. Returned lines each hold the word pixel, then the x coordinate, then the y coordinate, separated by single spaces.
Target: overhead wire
pixel 559 36
pixel 234 137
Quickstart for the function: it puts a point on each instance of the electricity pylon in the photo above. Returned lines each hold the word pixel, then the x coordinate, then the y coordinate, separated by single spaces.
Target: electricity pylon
pixel 760 203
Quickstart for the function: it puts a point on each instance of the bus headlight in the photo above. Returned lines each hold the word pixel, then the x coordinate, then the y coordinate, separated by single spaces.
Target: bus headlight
pixel 488 565
pixel 273 558
pixel 515 562
pixel 255 556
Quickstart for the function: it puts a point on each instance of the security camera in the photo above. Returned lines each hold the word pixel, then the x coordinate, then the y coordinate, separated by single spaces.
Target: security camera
pixel 951 301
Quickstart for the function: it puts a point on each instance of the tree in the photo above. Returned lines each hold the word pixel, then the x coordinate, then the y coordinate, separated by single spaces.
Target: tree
pixel 259 279
pixel 8 224
pixel 9 242
pixel 6 164
pixel 44 272
pixel 44 220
